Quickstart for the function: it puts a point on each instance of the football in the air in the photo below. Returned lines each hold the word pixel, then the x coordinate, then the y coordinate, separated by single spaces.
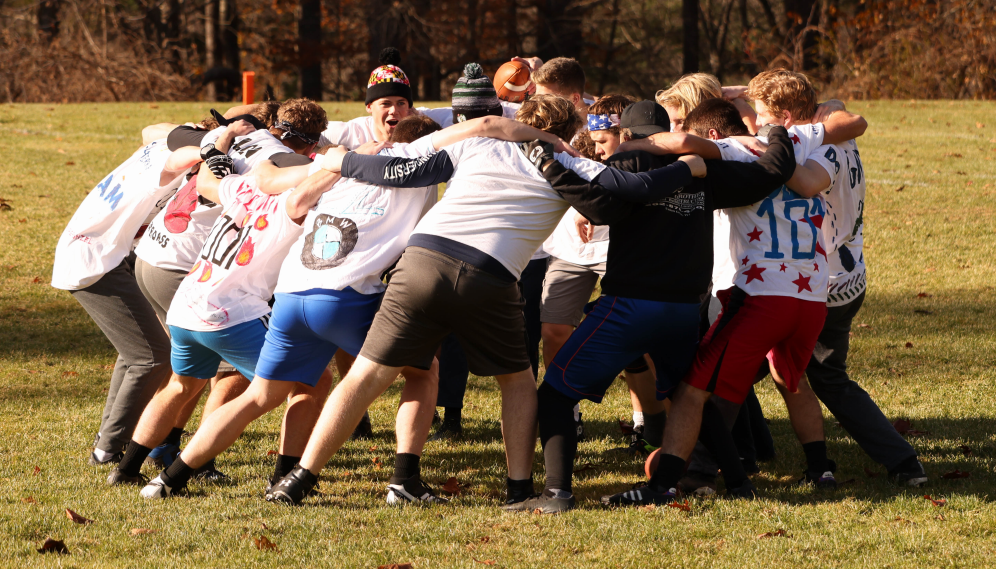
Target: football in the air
pixel 512 81
pixel 651 465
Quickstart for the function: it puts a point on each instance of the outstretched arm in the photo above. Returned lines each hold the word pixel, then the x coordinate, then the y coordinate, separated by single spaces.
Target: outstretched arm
pixel 841 126
pixel 156 131
pixel 673 143
pixel 736 184
pixel 178 162
pixel 809 179
pixel 392 171
pixel 497 127
pixel 274 180
pixel 306 195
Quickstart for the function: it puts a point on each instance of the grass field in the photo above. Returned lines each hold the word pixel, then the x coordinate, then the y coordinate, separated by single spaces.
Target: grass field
pixel 926 357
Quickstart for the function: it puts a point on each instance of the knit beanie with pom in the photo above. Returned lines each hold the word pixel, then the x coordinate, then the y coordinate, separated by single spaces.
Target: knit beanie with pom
pixel 474 95
pixel 389 80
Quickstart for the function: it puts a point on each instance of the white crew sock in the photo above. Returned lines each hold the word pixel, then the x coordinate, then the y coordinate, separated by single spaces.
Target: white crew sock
pixel 637 418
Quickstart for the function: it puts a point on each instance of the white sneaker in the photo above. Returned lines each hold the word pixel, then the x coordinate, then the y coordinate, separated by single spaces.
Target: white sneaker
pixel 411 491
pixel 158 489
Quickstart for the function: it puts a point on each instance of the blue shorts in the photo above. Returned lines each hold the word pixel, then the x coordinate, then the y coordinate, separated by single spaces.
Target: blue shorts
pixel 619 330
pixel 306 329
pixel 197 354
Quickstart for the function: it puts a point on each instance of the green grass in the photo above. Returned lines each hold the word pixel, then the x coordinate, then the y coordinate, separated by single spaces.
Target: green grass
pixel 936 236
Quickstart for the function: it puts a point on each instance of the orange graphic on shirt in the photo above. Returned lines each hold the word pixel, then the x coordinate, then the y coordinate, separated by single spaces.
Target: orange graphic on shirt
pixel 245 220
pixel 261 223
pixel 205 274
pixel 245 253
pixel 194 268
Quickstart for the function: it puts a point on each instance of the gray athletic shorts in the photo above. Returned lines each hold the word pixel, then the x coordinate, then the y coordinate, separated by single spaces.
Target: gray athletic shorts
pixel 567 289
pixel 159 287
pixel 431 295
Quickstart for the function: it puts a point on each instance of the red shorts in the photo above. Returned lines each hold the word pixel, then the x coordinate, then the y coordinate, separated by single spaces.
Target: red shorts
pixel 750 328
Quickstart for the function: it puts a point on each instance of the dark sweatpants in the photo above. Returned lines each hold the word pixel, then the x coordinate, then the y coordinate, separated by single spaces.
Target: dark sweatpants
pixel 121 311
pixel 849 403
pixel 453 368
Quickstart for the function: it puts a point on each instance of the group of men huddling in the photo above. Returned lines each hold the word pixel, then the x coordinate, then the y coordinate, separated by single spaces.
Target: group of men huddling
pixel 243 253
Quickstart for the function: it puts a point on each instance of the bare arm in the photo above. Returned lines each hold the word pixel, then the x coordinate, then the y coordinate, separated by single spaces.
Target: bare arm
pixel 207 185
pixel 674 143
pixel 239 110
pixel 237 128
pixel 500 128
pixel 308 192
pixel 809 179
pixel 274 180
pixel 842 126
pixel 156 131
pixel 178 162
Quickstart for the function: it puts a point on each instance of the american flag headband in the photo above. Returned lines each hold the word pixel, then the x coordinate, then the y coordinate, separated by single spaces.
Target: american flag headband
pixel 289 131
pixel 602 122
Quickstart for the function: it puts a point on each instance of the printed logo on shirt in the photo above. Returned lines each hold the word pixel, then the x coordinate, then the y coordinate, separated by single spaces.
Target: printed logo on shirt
pixel 178 211
pixel 327 246
pixel 683 204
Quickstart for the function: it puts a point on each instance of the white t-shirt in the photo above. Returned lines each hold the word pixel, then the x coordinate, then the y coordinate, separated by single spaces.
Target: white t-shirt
pixel 497 203
pixel 234 278
pixel 107 225
pixel 776 244
pixel 843 227
pixel 355 233
pixel 360 130
pixel 252 149
pixel 565 243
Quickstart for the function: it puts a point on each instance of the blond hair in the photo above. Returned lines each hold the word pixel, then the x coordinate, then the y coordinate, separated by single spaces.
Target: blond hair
pixel 565 74
pixel 782 90
pixel 305 116
pixel 689 91
pixel 266 112
pixel 551 113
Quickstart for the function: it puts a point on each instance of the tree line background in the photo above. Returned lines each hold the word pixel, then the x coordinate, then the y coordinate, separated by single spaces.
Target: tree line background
pixel 117 50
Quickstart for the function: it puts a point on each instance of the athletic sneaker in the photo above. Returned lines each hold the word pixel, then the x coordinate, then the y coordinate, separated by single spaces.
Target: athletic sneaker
pixel 697 485
pixel 293 488
pixel 746 491
pixel 111 459
pixel 158 489
pixel 637 447
pixel 549 502
pixel 208 473
pixel 412 490
pixel 643 495
pixel 364 430
pixel 118 478
pixel 163 455
pixel 579 426
pixel 912 475
pixel 821 480
pixel 449 429
pixel 436 419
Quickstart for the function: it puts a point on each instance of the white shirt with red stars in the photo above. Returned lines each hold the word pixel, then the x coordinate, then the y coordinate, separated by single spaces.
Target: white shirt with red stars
pixel 776 244
pixel 238 266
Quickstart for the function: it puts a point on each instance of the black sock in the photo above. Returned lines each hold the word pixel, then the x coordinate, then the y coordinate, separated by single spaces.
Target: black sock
pixel 406 465
pixel 816 456
pixel 178 473
pixel 716 437
pixel 452 415
pixel 653 428
pixel 284 465
pixel 134 456
pixel 669 471
pixel 519 489
pixel 173 438
pixel 559 436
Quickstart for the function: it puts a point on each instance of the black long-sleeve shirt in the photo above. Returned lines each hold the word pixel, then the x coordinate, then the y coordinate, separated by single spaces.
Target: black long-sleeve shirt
pixel 663 250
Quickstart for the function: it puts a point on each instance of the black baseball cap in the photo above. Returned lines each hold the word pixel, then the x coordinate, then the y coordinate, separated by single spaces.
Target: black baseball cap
pixel 644 118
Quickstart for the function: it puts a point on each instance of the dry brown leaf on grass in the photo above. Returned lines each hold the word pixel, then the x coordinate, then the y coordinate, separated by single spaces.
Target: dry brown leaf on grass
pixel 902 520
pixel 395 566
pixel 264 544
pixel 77 519
pixel 923 295
pixel 626 428
pixel 70 163
pixel 271 452
pixel 141 531
pixel 683 506
pixel 452 485
pixel 54 546
pixel 373 448
pixel 939 502
pixel 37 280
pixel 69 374
pixel 486 539
pixel 485 561
pixel 36 471
pixel 776 533
pixel 376 462
pixel 870 473
pixel 965 449
pixel 29 500
pixel 955 474
pixel 901 188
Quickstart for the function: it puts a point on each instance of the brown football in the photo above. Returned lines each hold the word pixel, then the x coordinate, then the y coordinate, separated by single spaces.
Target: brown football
pixel 512 81
pixel 651 464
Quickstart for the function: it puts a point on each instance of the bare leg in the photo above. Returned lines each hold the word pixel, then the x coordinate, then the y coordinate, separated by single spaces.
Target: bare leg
pixel 554 338
pixel 221 428
pixel 684 421
pixel 643 392
pixel 160 414
pixel 303 408
pixel 518 421
pixel 343 362
pixel 804 410
pixel 418 403
pixel 224 388
pixel 365 382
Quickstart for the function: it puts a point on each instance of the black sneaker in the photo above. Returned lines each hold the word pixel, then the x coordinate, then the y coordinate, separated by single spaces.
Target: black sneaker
pixel 413 490
pixel 821 479
pixel 637 447
pixel 746 491
pixel 909 475
pixel 113 459
pixel 447 430
pixel 436 419
pixel 208 473
pixel 579 426
pixel 118 478
pixel 643 495
pixel 364 430
pixel 546 503
pixel 293 488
